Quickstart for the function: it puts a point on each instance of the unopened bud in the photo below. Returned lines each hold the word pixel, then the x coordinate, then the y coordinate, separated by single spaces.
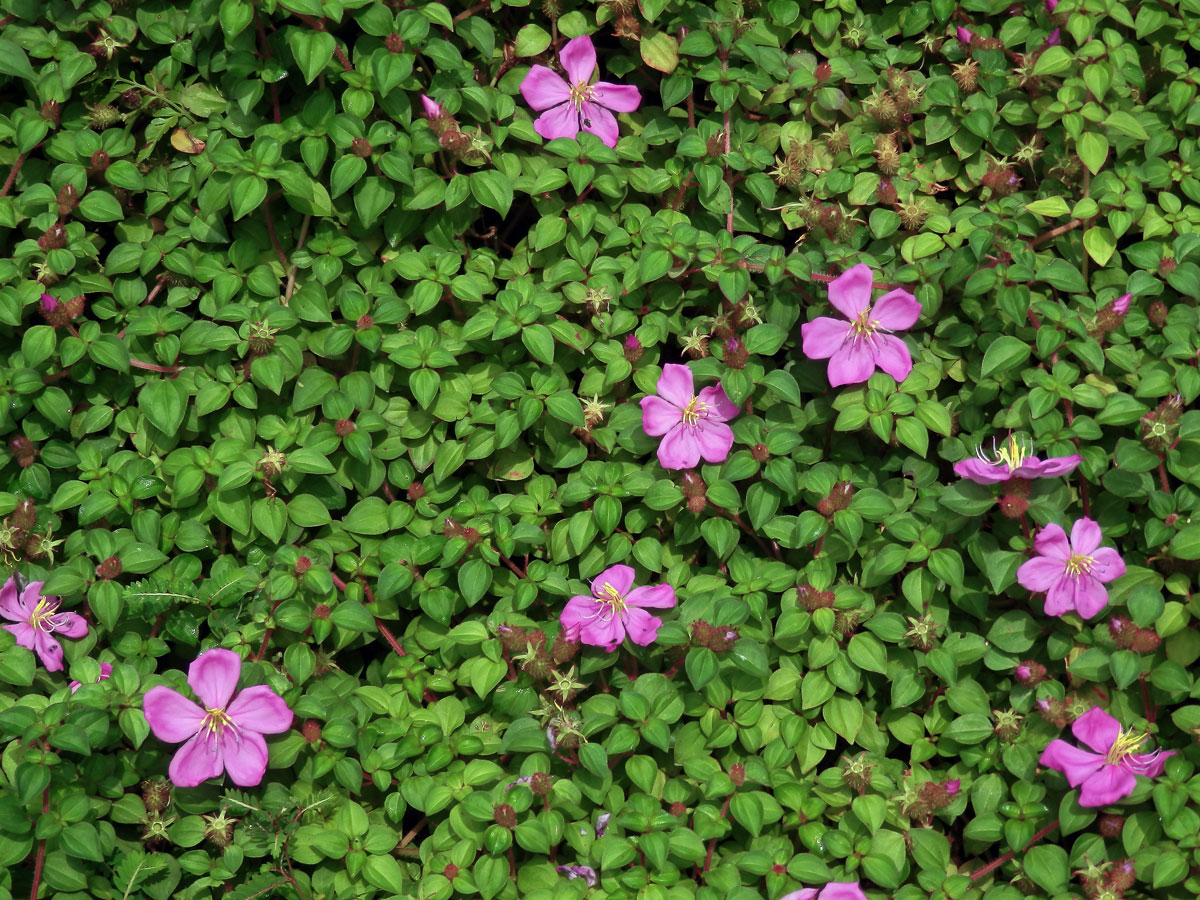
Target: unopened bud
pixel 394 43
pixel 416 491
pixel 1157 314
pixel 1111 825
pixel 364 322
pixel 68 199
pixel 344 427
pixel 99 162
pixel 156 794
pixel 322 611
pixel 311 729
pixel 450 872
pixel 109 569
pixel 1013 507
pixel 678 809
pixel 51 112
pixel 1030 672
pixel 53 238
pixel 812 599
pixel 760 452
pixel 505 815
pixel 736 354
pixel 632 349
pixel 541 784
pixel 823 72
pixel 361 148
pixel 737 774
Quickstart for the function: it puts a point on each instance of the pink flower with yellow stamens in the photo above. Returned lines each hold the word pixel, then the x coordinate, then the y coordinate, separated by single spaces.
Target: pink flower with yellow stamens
pixel 226 734
pixel 691 425
pixel 614 609
pixel 855 348
pixel 1072 573
pixel 1014 459
pixel 37 621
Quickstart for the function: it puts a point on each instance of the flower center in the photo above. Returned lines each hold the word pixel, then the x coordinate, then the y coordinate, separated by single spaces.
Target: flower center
pixel 1078 564
pixel 1124 746
pixel 1012 453
pixel 609 596
pixel 216 721
pixel 864 326
pixel 42 618
pixel 581 92
pixel 695 411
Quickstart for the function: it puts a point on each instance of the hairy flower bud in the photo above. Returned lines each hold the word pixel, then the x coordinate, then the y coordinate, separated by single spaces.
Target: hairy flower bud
pixel 812 599
pixel 1012 507
pixel 1001 179
pixel 737 774
pixel 22 450
pixel 512 638
pixel 1144 641
pixel 692 484
pixel 99 162
pixel 109 569
pixel 322 611
pixel 839 498
pixel 632 349
pixel 541 784
pixel 68 199
pixel 1166 266
pixel 394 43
pixel 303 564
pixel 416 491
pixel 1157 314
pixel 1111 825
pixel 760 452
pixel 344 427
pixel 736 354
pixel 102 116
pixel 562 650
pixel 1030 672
pixel 311 730
pixel 717 638
pixel 51 113
pixel 364 322
pixel 885 192
pixel 54 237
pixel 156 794
pixel 912 214
pixel 678 809
pixel 504 815
pixel 966 75
pixel 450 872
pixel 823 72
pixel 361 147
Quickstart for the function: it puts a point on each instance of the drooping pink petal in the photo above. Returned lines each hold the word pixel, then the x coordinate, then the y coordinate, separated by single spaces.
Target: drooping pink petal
pixel 32 594
pixel 1052 541
pixel 48 649
pixel 1040 573
pixel 1075 763
pixel 659 596
pixel 716 440
pixel 542 88
pixel 12 605
pixel 641 626
pixel 891 355
pixel 1107 564
pixel 622 98
pixel 720 407
pixel 578 57
pixel 850 292
pixel 195 762
pixel 620 577
pixel 659 416
pixel 1047 468
pixel 560 122
pixel 597 120
pixel 1085 536
pixel 823 337
pixel 802 894
pixel 214 675
pixel 245 757
pixel 964 35
pixel 675 385
pixel 171 716
pixel 1090 597
pixel 853 363
pixel 577 612
pixel 680 448
pixel 897 310
pixel 433 109
pixel 1054 38
pixel 1107 786
pixel 24 633
pixel 1149 764
pixel 842 890
pixel 260 709
pixel 71 625
pixel 981 472
pixel 1097 729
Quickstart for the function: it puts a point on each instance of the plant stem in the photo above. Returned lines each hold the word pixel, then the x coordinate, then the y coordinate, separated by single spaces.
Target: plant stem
pixel 291 281
pixel 996 863
pixel 12 175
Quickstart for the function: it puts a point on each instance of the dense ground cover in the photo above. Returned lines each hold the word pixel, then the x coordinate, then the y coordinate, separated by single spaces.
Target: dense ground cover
pixel 543 441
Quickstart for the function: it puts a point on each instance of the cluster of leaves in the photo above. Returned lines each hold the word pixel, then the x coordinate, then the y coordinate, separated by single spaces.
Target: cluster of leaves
pixel 349 398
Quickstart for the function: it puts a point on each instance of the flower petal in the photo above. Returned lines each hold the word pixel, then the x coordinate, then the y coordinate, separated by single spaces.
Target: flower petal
pixel 195 762
pixel 560 122
pixel 49 650
pixel 622 98
pixel 245 757
pixel 261 710
pixel 542 89
pixel 675 385
pixel 578 57
pixel 891 355
pixel 1097 729
pixel 802 894
pixel 1060 597
pixel 850 292
pixel 71 625
pixel 1048 468
pixel 716 440
pixel 853 363
pixel 1051 541
pixel 1075 763
pixel 842 890
pixel 823 337
pixel 597 120
pixel 433 109
pixel 1040 573
pixel 619 577
pixel 605 630
pixel 213 675
pixel 577 612
pixel 679 448
pixel 981 472
pixel 1107 564
pixel 641 626
pixel 1090 596
pixel 720 407
pixel 659 416
pixel 24 634
pixel 1085 536
pixel 1107 786
pixel 171 716
pixel 1150 764
pixel 12 604
pixel 658 596
pixel 896 310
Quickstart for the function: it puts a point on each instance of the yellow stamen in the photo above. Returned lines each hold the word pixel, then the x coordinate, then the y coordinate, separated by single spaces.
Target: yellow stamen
pixel 1124 746
pixel 864 326
pixel 611 598
pixel 216 721
pixel 1078 564
pixel 695 411
pixel 1013 453
pixel 581 93
pixel 40 620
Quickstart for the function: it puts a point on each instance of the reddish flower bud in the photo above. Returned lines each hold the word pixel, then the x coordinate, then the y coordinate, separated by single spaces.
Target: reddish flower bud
pixel 737 774
pixel 779 869
pixel 361 148
pixel 760 452
pixel 541 784
pixel 24 517
pixel 53 238
pixel 311 729
pixel 394 43
pixel 1111 825
pixel 839 498
pixel 1166 266
pixel 131 99
pixel 68 199
pixel 109 569
pixel 692 484
pixel 678 809
pixel 1144 641
pixel 51 112
pixel 416 491
pixel 364 322
pixel 344 427
pixel 562 650
pixel 99 162
pixel 512 637
pixel 1017 487
pixel 156 794
pixel 885 193
pixel 451 870
pixel 1030 672
pixel 1157 313
pixel 303 564
pixel 812 599
pixel 75 307
pixel 1013 507
pixel 633 349
pixel 322 611
pixel 823 72
pixel 697 504
pixel 471 536
pixel 503 814
pixel 22 449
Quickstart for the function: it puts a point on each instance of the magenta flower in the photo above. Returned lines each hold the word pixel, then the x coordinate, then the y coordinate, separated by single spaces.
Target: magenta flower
pixel 835 890
pixel 37 621
pixel 567 109
pixel 952 787
pixel 105 672
pixel 221 735
pixel 632 343
pixel 1108 774
pixel 1051 5
pixel 1055 38
pixel 1072 574
pixel 964 36
pixel 691 425
pixel 1014 459
pixel 49 304
pixel 433 110
pixel 1121 304
pixel 585 872
pixel 616 608
pixel 856 347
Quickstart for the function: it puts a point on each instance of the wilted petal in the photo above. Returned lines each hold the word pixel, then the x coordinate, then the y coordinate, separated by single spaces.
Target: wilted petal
pixel 981 472
pixel 1107 564
pixel 560 122
pixel 823 337
pixel 641 626
pixel 1054 39
pixel 245 757
pixel 213 675
pixel 1107 786
pixel 675 385
pixel 850 292
pixel 891 355
pixel 1076 764
pixel 542 89
pixel 659 416
pixel 853 363
pixel 602 823
pixel 585 872
pixel 195 762
pixel 578 57
pixel 1052 541
pixel 1097 729
pixel 171 716
pixel 597 120
pixel 716 440
pixel 623 98
pixel 620 577
pixel 679 449
pixel 1040 573
pixel 659 596
pixel 70 625
pixel 260 709
pixel 720 407
pixel 1085 536
pixel 896 310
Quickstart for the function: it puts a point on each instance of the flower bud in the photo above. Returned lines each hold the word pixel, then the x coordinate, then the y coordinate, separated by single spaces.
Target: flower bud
pixel 885 193
pixel 1111 825
pixel 322 611
pixel 541 784
pixel 156 794
pixel 54 237
pixel 1013 507
pixel 760 452
pixel 394 43
pixel 1166 266
pixel 632 349
pixel 311 730
pixel 839 498
pixel 22 450
pixel 450 872
pixel 361 147
pixel 1157 314
pixel 344 427
pixel 364 322
pixel 24 517
pixel 1030 672
pixel 966 75
pixel 504 815
pixel 416 491
pixel 678 809
pixel 823 72
pixel 512 637
pixel 75 307
pixel 964 36
pixel 303 564
pixel 109 569
pixel 99 162
pixel 1144 641
pixel 68 199
pixel 736 354
pixel 563 650
pixel 737 774
pixel 1002 180
pixel 812 599
pixel 51 113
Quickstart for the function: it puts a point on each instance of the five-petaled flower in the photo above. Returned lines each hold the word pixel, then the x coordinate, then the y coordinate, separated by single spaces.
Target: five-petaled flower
pixel 614 609
pixel 1108 773
pixel 835 890
pixel 567 109
pixel 1014 459
pixel 1072 573
pixel 691 425
pixel 37 620
pixel 221 735
pixel 856 347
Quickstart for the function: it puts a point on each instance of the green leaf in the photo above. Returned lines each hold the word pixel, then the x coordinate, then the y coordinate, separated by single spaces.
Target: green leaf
pixel 100 206
pixel 164 404
pixel 1004 353
pixel 493 190
pixel 312 50
pixel 13 61
pixel 368 516
pixel 246 194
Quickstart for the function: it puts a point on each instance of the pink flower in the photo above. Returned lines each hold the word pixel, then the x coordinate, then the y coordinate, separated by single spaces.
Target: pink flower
pixel 105 671
pixel 1121 304
pixel 1072 574
pixel 1055 38
pixel 964 36
pixel 1107 775
pixel 221 735
pixel 49 304
pixel 432 110
pixel 615 608
pixel 587 873
pixel 952 787
pixel 1014 459
pixel 691 425
pixel 1051 5
pixel 37 621
pixel 568 109
pixel 1024 674
pixel 835 890
pixel 856 347
pixel 632 343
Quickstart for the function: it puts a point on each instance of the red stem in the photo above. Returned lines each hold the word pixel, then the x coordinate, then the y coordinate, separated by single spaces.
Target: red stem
pixel 383 629
pixel 1162 474
pixel 712 844
pixel 1150 710
pixel 271 230
pixel 8 183
pixel 151 367
pixel 466 14
pixel 996 863
pixel 41 850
